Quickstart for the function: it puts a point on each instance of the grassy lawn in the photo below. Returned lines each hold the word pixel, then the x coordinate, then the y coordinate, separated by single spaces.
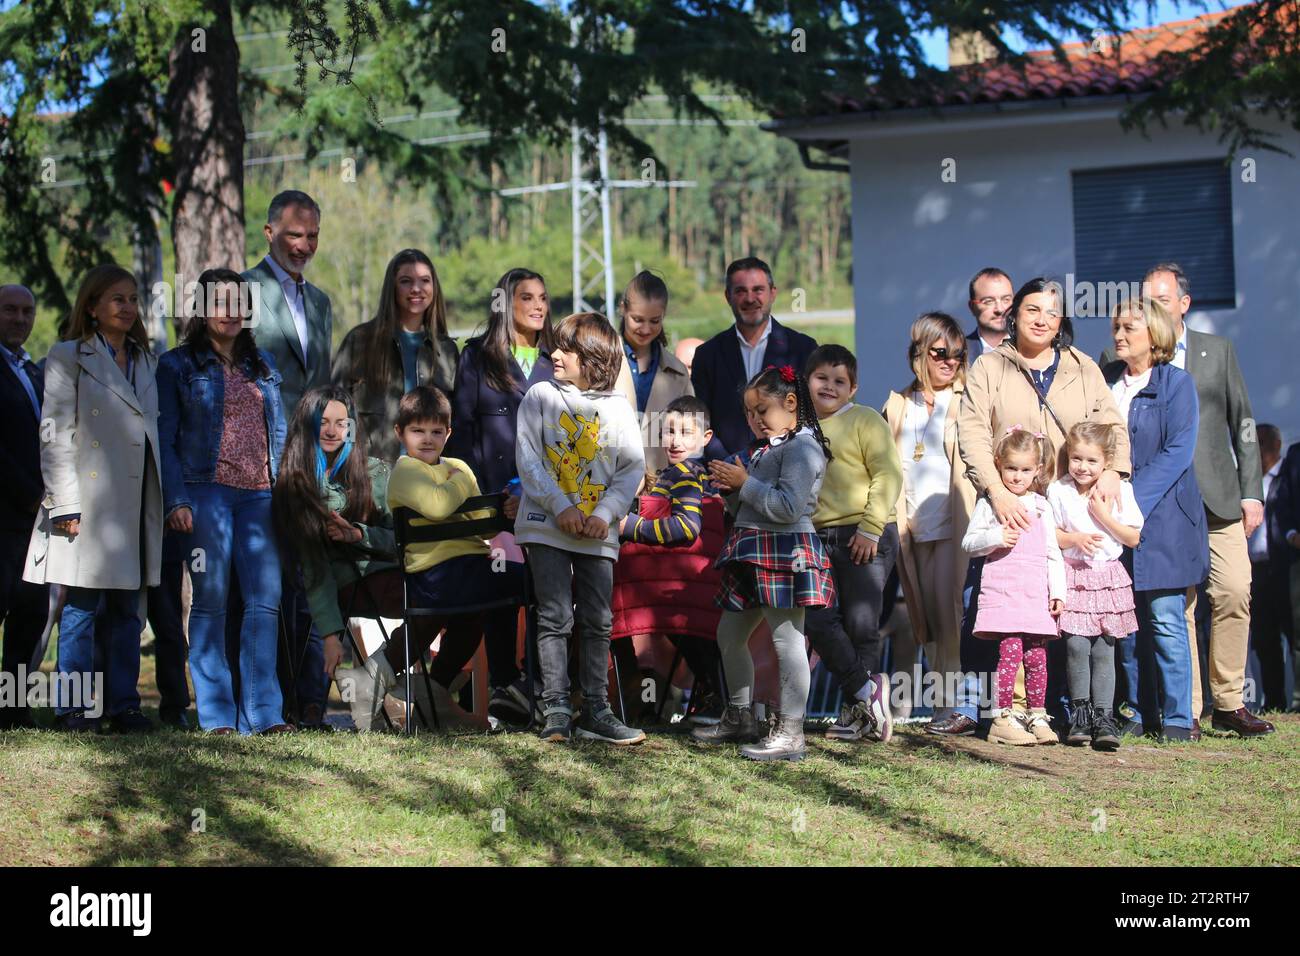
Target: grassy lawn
pixel 375 799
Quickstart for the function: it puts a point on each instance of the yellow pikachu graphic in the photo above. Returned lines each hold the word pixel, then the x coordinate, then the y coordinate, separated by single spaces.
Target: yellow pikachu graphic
pixel 590 495
pixel 582 434
pixel 566 465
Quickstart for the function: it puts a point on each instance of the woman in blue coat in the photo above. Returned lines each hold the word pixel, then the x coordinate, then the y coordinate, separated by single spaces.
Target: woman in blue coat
pixel 1160 405
pixel 221 428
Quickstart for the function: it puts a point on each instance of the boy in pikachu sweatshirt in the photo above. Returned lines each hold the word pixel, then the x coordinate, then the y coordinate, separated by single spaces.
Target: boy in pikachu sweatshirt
pixel 580 460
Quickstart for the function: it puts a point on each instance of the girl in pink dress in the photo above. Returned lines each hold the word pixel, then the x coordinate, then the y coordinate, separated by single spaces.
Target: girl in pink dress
pixel 1099 607
pixel 1022 588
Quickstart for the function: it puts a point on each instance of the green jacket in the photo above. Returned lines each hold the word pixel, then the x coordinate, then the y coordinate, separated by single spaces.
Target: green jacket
pixel 377 408
pixel 324 575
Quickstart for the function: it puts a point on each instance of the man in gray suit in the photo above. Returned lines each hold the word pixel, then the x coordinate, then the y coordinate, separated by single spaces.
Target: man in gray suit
pixel 296 321
pixel 1231 480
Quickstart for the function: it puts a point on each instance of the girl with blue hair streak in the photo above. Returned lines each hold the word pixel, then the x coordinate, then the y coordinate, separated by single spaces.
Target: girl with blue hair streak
pixel 331 510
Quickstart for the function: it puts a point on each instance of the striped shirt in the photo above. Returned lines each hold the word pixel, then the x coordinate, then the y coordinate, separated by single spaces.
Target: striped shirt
pixel 684 485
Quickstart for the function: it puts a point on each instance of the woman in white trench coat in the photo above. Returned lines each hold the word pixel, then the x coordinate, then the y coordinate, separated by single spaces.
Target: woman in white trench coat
pixel 99 529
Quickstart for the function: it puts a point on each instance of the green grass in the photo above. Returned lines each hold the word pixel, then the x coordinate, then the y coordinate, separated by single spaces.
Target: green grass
pixel 379 799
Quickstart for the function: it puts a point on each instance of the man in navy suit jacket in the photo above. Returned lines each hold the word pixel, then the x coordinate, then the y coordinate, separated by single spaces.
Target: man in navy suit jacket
pixel 725 363
pixel 23 606
pixel 989 295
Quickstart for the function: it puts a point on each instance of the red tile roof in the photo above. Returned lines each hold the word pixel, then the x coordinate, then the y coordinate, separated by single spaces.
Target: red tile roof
pixel 1129 63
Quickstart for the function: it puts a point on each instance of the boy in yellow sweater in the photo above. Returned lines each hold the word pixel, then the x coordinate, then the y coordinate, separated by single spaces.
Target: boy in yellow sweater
pixel 461 570
pixel 855 519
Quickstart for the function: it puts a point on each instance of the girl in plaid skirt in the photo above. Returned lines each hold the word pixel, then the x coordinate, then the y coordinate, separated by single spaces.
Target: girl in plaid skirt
pixel 773 564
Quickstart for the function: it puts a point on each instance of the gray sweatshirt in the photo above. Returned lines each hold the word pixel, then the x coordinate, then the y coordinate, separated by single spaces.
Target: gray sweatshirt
pixel 575 449
pixel 784 480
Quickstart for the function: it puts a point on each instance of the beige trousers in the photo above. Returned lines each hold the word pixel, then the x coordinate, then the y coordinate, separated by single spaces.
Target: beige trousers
pixel 936 571
pixel 1228 591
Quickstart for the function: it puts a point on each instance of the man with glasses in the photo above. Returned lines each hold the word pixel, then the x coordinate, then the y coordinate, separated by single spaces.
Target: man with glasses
pixel 990 296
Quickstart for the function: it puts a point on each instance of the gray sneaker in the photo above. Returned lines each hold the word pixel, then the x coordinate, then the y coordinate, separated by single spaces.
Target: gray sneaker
pixel 558 727
pixel 784 741
pixel 601 724
pixel 856 722
pixel 736 726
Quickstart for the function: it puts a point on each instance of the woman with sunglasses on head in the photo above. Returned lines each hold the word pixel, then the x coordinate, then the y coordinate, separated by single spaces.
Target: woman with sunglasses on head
pixel 935 505
pixel 1035 379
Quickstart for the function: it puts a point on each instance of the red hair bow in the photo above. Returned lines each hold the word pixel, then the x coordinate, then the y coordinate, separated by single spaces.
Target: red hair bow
pixel 787 372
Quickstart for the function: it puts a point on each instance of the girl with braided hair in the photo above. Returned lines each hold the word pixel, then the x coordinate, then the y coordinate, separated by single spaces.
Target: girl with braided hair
pixel 773 564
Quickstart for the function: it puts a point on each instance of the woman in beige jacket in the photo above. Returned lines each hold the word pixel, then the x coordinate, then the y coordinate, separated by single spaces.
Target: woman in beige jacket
pixel 651 375
pixel 1037 380
pixel 936 500
pixel 99 528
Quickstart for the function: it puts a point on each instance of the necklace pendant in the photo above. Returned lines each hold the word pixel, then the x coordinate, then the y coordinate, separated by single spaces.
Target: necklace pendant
pixel 919 452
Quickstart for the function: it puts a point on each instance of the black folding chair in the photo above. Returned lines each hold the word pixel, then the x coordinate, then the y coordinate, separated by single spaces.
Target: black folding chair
pixel 462 524
pixel 362 585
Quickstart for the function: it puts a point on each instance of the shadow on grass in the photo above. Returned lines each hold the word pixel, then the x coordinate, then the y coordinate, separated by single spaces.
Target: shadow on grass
pixel 667 803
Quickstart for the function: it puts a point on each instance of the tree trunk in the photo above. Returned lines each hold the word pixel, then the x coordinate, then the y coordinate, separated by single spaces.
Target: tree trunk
pixel 207 141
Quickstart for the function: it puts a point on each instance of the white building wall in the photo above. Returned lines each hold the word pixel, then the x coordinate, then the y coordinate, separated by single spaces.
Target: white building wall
pixel 917 239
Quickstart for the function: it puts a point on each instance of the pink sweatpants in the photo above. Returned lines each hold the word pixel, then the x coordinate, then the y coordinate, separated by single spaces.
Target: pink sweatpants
pixel 1032 652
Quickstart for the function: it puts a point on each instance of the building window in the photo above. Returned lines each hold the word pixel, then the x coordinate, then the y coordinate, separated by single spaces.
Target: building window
pixel 1128 219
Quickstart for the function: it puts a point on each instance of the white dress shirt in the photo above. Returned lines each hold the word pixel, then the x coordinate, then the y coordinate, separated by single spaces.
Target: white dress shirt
pixel 295 293
pixel 1258 542
pixel 752 355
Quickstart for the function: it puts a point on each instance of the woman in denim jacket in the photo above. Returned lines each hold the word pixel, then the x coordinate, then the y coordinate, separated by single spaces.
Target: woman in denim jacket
pixel 221 426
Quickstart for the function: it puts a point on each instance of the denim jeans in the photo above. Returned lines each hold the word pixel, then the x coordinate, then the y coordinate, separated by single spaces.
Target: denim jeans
pixel 233 525
pixel 978 657
pixel 847 635
pixel 1157 663
pixel 121 632
pixel 561 579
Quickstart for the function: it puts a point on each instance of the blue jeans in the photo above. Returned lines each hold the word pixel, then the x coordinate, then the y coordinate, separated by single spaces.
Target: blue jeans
pixel 1157 663
pixel 234 525
pixel 978 657
pixel 121 632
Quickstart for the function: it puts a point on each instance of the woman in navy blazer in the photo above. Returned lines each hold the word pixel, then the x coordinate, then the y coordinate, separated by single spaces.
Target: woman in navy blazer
pixel 494 371
pixel 1173 553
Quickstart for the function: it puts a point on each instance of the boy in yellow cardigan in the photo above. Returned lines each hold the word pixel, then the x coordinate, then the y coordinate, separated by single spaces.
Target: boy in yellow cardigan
pixel 855 519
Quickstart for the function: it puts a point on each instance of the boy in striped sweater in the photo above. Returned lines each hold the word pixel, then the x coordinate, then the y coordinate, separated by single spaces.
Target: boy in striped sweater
pixel 687 615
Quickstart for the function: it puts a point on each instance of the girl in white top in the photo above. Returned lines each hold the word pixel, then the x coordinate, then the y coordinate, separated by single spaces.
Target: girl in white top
pixel 1099 604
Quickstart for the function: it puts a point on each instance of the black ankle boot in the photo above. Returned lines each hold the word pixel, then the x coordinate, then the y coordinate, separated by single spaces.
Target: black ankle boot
pixel 1080 723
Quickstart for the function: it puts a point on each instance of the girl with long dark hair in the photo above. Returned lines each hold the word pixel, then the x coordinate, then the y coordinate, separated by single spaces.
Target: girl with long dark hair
pixel 405 345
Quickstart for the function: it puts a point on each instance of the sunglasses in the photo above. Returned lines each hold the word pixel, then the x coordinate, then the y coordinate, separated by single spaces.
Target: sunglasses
pixel 940 354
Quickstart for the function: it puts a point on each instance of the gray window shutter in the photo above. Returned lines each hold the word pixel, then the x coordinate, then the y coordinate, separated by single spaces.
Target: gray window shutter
pixel 1126 220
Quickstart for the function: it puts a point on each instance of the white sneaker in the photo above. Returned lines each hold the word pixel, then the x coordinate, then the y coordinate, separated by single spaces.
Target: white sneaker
pixel 363 688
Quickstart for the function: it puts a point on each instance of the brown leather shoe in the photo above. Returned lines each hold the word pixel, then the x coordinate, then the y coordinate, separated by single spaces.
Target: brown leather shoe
pixel 280 729
pixel 221 731
pixel 1196 731
pixel 954 725
pixel 1242 722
